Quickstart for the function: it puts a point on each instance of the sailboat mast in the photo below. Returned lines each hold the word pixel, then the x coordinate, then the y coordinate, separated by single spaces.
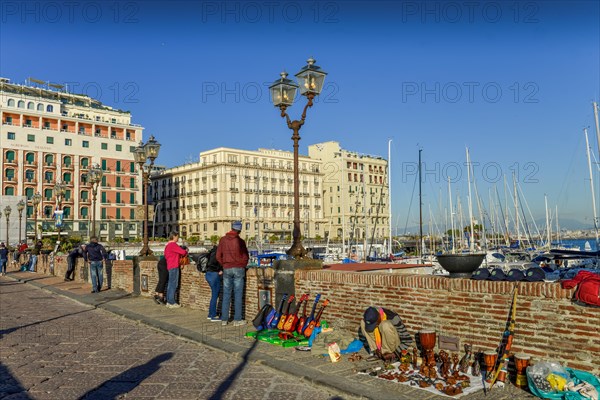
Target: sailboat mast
pixel 470 202
pixel 549 237
pixel 595 105
pixel 587 147
pixel 451 217
pixel 420 212
pixel 390 196
pixel 516 201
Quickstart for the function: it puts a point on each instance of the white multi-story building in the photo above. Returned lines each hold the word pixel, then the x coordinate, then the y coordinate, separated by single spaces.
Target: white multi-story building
pixel 355 192
pixel 203 198
pixel 51 135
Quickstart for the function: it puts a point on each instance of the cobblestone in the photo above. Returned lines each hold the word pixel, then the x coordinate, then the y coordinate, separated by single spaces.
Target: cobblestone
pixel 79 347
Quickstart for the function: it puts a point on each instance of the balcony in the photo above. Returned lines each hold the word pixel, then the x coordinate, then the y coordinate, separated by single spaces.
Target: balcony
pixel 213 203
pixel 50 164
pixel 213 190
pixel 203 205
pixel 234 189
pixel 31 180
pixel 85 201
pixel 11 161
pixel 196 206
pixel 234 203
pixel 7 123
pixel 67 166
pixel 9 178
pixel 31 163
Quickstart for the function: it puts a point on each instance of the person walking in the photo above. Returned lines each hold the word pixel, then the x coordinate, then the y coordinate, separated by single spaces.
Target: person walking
pixel 3 258
pixel 232 254
pixel 172 254
pixel 163 275
pixel 35 252
pixel 72 261
pixel 95 253
pixel 214 272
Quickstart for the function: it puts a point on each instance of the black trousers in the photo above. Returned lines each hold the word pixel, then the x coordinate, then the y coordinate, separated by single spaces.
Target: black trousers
pixel 163 277
pixel 70 268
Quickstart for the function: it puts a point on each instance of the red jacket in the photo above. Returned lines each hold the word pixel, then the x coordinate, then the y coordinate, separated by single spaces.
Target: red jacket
pixel 232 251
pixel 172 253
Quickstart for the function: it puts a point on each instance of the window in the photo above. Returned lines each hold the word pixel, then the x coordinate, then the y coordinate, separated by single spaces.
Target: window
pixel 67 212
pixel 48 176
pixel 118 213
pixel 104 146
pixel 84 195
pixel 131 198
pixel 9 191
pixel 131 168
pixel 68 142
pixel 29 193
pixel 132 216
pixel 67 177
pixel 10 174
pixel 118 183
pixel 11 102
pixel 85 143
pixel 29 174
pixel 103 165
pixel 49 108
pixel 21 104
pixel 131 150
pixel 85 162
pixel 84 212
pixel 31 138
pixel 67 161
pixel 119 147
pixel 118 165
pixel 103 183
pixel 49 140
pixel 40 107
pixel 103 216
pixel 118 198
pixel 118 227
pixel 68 194
pixel 103 197
pixel 10 135
pixel 10 156
pixel 132 181
pixel 48 211
pixel 49 159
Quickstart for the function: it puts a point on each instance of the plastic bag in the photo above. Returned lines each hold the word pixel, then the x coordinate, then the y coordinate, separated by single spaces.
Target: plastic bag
pixel 540 372
pixel 334 352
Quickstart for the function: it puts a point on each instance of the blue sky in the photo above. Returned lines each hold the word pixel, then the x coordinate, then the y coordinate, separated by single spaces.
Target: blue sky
pixel 513 81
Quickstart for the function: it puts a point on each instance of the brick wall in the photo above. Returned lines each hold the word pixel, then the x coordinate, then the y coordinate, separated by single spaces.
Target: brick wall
pixel 548 325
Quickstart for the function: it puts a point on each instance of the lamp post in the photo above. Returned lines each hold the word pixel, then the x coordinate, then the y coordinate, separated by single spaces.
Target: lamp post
pixel 146 152
pixel 20 208
pixel 95 174
pixel 59 193
pixel 283 92
pixel 35 199
pixel 7 211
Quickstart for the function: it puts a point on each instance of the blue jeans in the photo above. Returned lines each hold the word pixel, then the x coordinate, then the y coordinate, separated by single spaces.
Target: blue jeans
pixel 214 281
pixel 172 285
pixel 233 279
pixel 33 262
pixel 3 263
pixel 96 269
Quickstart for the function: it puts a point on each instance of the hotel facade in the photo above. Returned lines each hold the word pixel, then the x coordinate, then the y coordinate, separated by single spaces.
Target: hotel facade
pixel 201 199
pixel 51 135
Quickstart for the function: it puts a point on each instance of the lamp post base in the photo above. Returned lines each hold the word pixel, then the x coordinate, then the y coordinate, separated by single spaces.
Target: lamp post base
pixel 146 251
pixel 297 251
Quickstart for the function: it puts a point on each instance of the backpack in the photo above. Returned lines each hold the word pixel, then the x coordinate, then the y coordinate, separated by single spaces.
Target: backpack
pixel 588 288
pixel 204 259
pixel 260 321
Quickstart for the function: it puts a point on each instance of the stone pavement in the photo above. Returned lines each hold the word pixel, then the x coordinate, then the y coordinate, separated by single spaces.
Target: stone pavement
pixel 48 343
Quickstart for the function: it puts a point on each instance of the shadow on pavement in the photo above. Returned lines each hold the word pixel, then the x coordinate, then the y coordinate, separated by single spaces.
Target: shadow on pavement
pixel 10 385
pixel 11 330
pixel 230 379
pixel 126 381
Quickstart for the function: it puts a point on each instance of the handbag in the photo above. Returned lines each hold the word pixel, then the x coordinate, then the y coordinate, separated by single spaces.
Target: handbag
pixel 184 260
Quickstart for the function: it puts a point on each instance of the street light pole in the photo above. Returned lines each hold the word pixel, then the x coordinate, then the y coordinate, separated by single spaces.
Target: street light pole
pixel 20 207
pixel 59 192
pixel 283 92
pixel 36 199
pixel 7 211
pixel 95 173
pixel 146 152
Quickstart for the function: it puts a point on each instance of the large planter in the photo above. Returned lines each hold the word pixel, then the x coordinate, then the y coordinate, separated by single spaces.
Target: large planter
pixel 461 265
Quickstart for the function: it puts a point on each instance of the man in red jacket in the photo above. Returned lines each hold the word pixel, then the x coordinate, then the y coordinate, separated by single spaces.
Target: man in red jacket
pixel 232 254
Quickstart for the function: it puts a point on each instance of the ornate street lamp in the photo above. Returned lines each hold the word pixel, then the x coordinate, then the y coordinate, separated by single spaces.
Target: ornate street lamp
pixel 95 174
pixel 59 192
pixel 20 208
pixel 283 92
pixel 35 199
pixel 141 154
pixel 7 211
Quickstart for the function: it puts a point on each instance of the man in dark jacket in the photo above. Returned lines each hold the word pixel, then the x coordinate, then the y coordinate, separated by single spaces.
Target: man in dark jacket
pixel 3 258
pixel 383 334
pixel 232 254
pixel 213 274
pixel 95 254
pixel 72 261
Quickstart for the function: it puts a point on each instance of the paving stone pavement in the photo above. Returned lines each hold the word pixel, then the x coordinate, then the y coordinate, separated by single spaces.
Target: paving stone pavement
pixel 54 348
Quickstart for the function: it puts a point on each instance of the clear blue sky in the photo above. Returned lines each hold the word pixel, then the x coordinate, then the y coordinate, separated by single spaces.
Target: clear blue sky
pixel 513 81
